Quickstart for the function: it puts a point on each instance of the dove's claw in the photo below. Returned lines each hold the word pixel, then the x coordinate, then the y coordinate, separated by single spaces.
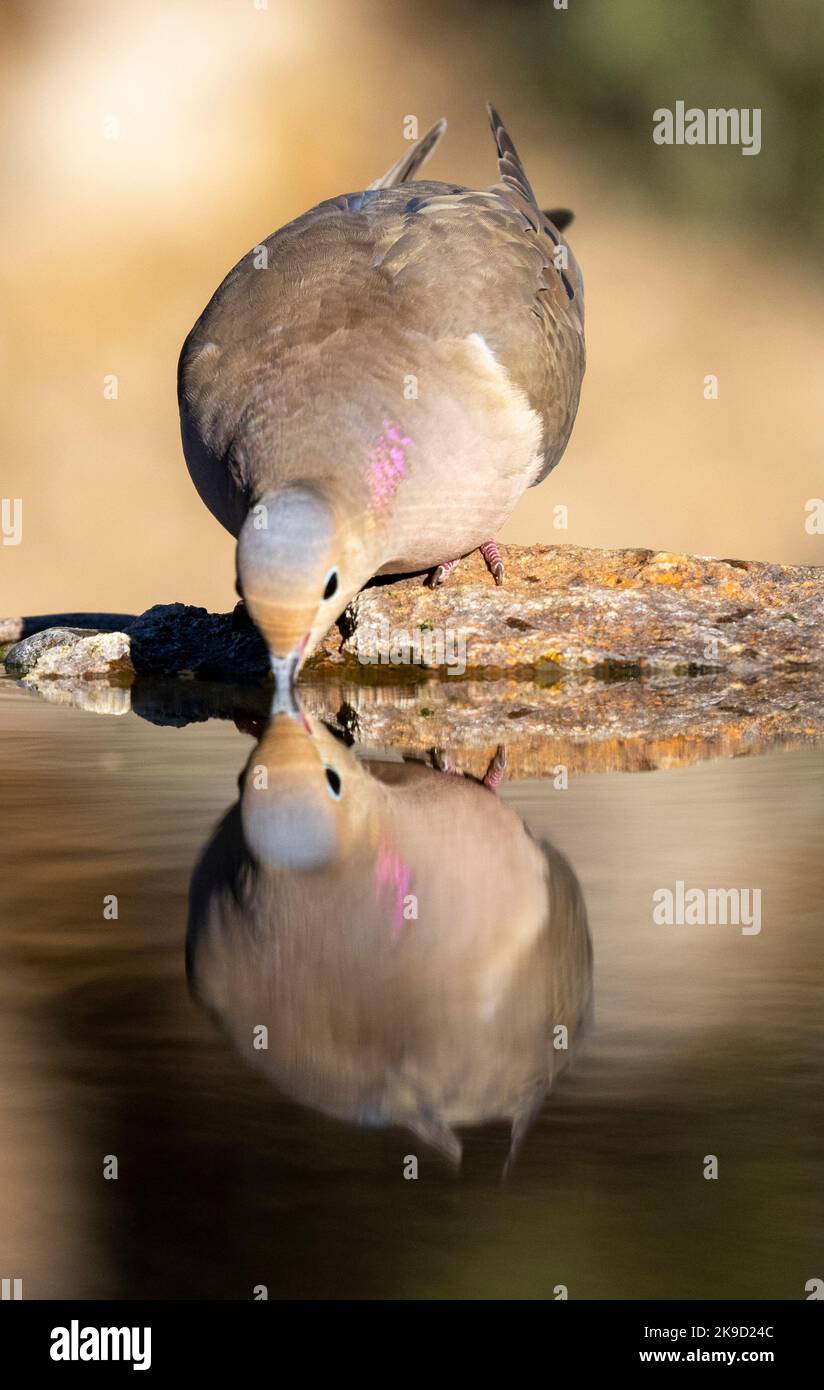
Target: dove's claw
pixel 443 762
pixel 492 558
pixel 494 563
pixel 440 574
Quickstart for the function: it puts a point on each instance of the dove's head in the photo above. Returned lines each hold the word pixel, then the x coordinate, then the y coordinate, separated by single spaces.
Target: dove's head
pixel 306 801
pixel 299 563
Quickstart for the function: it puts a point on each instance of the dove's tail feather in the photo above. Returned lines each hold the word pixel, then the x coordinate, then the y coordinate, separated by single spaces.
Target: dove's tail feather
pixel 512 172
pixel 413 159
pixel 522 1122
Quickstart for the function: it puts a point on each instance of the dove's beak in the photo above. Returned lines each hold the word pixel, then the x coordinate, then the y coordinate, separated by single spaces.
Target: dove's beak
pixel 285 672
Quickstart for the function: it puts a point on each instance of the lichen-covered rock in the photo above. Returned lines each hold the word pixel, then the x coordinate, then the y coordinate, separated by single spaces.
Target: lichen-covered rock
pixel 603 611
pixel 101 656
pixel 177 639
pixel 25 655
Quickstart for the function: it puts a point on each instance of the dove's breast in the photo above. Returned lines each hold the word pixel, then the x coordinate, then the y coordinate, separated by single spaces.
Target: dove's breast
pixel 472 447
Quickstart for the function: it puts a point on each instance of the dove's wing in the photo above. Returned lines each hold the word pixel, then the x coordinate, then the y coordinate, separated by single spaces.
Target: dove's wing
pixel 552 379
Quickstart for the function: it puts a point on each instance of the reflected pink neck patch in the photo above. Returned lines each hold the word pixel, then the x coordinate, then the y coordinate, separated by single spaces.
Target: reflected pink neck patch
pixel 391 872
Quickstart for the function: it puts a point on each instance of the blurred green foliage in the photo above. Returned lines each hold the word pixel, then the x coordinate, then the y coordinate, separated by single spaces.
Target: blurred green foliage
pixel 601 67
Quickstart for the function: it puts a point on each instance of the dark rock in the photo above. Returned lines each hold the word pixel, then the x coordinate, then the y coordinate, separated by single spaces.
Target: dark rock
pixel 177 639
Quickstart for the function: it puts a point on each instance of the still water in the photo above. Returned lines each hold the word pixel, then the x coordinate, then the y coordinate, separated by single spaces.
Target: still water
pixel 324 965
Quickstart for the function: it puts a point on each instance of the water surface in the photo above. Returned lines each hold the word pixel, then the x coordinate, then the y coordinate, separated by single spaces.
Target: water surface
pixel 388 1036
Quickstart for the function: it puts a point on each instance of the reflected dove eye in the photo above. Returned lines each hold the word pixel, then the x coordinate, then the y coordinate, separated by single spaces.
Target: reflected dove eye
pixel 333 782
pixel 331 585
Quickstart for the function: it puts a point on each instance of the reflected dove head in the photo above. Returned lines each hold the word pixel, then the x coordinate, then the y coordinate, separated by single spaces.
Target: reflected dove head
pixel 298 803
pixel 298 565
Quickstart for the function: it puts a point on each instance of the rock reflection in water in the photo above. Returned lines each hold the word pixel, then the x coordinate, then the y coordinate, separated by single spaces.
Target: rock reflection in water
pixel 415 956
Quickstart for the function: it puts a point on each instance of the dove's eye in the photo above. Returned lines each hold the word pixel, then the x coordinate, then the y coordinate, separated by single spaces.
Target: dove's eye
pixel 331 586
pixel 333 782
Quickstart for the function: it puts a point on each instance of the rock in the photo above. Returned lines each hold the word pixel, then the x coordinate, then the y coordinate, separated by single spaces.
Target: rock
pixel 602 611
pixel 23 656
pixel 603 705
pixel 91 670
pixel 101 656
pixel 562 610
pixel 176 639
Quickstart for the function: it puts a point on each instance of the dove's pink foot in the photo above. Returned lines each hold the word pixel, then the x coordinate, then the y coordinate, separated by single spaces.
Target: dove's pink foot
pixel 493 777
pixel 496 771
pixel 492 557
pixel 494 563
pixel 443 762
pixel 440 574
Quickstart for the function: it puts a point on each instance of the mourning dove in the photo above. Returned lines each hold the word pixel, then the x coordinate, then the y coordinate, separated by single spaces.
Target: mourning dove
pixel 400 982
pixel 373 387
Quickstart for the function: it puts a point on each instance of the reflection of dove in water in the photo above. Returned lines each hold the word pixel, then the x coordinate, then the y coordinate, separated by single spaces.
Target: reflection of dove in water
pixel 416 957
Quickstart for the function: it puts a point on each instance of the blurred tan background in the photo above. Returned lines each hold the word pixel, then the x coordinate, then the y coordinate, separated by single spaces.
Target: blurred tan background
pixel 233 119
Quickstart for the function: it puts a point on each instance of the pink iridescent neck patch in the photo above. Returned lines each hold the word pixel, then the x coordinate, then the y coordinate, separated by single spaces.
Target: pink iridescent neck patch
pixel 391 872
pixel 387 463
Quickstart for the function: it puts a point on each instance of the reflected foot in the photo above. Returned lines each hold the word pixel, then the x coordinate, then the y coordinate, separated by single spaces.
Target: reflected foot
pixel 496 771
pixel 442 762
